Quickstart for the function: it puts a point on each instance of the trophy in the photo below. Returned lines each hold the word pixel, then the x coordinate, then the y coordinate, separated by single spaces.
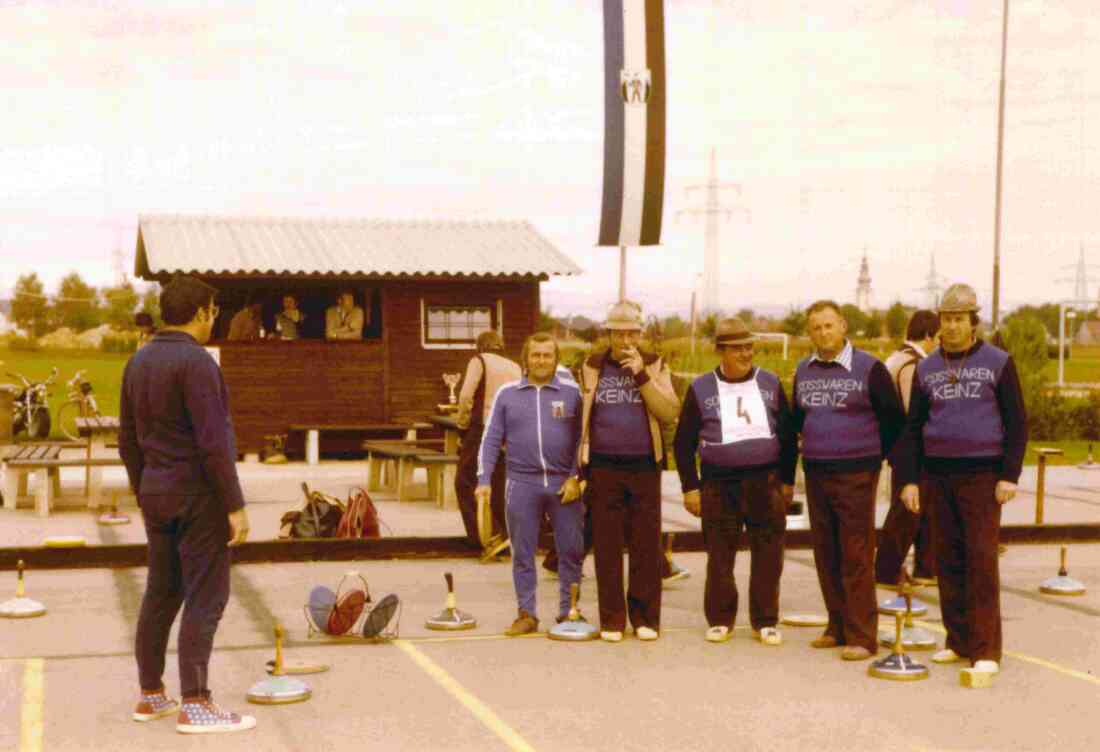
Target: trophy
pixel 451 380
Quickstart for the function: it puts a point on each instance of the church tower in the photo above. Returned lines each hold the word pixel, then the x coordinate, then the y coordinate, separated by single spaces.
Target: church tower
pixel 863 287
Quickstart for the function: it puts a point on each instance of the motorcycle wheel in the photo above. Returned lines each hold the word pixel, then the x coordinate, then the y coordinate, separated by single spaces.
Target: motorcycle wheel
pixel 17 425
pixel 39 427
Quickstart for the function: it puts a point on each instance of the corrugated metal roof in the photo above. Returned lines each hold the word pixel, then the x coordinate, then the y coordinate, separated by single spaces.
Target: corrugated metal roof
pixel 169 244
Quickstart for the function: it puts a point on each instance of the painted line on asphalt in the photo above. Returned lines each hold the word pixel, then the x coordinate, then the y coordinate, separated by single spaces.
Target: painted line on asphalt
pixel 1065 670
pixel 30 733
pixel 480 710
pixel 332 642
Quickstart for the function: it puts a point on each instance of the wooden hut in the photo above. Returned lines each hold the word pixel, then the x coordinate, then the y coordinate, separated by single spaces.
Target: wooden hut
pixel 427 289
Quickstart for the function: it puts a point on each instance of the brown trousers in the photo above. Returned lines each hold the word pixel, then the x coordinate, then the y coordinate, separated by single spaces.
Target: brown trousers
pixel 900 530
pixel 626 504
pixel 755 502
pixel 466 484
pixel 966 521
pixel 842 525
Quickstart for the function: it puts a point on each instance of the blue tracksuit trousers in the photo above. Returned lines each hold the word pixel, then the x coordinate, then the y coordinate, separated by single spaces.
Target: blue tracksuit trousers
pixel 526 504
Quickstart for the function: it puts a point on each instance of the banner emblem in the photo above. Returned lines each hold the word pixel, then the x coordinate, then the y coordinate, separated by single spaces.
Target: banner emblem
pixel 635 86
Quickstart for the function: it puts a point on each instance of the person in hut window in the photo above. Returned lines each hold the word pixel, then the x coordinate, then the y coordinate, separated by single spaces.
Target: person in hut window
pixel 345 319
pixel 288 321
pixel 247 323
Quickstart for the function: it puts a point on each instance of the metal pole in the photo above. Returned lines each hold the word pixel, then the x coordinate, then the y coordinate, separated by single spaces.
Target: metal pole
pixel 622 273
pixel 693 323
pixel 1061 344
pixel 1000 172
pixel 1040 488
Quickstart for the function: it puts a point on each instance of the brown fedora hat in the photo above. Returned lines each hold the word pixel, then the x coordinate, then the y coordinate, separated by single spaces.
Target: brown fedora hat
pixel 732 332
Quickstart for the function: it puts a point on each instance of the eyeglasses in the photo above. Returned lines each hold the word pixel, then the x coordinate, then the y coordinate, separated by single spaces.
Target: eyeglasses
pixel 737 348
pixel 214 311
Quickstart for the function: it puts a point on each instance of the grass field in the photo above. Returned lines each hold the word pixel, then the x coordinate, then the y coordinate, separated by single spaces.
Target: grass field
pixel 1075 452
pixel 104 371
pixel 1083 366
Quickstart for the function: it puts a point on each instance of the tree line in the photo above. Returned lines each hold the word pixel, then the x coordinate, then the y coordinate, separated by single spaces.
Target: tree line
pixel 77 305
pixel 890 323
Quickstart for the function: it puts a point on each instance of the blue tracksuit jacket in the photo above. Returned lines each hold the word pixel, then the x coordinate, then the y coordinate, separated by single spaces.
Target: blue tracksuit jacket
pixel 541 426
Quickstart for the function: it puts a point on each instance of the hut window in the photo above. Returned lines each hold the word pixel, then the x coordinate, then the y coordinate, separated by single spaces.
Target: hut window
pixel 456 326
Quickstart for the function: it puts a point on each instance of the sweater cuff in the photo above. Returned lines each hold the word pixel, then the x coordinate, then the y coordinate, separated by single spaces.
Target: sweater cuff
pixel 642 378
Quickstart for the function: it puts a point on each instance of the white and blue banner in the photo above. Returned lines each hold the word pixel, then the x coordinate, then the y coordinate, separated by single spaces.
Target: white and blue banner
pixel 634 122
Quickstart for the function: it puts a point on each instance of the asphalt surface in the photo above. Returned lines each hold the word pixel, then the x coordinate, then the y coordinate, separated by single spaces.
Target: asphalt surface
pixel 68 681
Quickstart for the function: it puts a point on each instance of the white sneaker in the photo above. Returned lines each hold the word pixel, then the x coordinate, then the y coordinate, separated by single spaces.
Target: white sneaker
pixel 718 634
pixel 989 667
pixel 646 633
pixel 770 636
pixel 611 636
pixel 947 655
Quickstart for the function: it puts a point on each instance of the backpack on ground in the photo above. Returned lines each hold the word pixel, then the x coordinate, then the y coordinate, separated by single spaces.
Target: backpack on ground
pixel 320 517
pixel 360 518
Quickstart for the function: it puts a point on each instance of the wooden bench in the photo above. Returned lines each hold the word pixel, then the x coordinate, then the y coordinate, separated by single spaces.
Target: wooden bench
pixel 45 463
pixel 390 465
pixel 375 431
pixel 441 478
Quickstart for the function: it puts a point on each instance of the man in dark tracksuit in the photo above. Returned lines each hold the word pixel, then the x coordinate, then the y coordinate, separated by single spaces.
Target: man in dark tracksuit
pixel 177 443
pixel 849 414
pixel 538 417
pixel 738 419
pixel 967 429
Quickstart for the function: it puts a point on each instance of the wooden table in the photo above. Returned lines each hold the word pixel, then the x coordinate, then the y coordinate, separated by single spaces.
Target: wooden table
pixel 450 432
pixel 373 431
pixel 451 441
pixel 98 430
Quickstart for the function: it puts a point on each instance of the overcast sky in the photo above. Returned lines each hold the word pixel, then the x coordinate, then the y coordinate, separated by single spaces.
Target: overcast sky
pixel 845 129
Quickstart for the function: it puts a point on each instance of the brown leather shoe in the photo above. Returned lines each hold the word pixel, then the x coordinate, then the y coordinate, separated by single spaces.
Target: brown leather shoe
pixel 524 624
pixel 824 641
pixel 855 653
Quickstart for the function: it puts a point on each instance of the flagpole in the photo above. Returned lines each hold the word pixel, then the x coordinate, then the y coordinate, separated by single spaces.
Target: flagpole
pixel 622 273
pixel 997 201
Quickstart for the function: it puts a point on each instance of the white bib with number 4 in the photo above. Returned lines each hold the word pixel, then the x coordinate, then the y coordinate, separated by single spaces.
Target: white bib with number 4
pixel 744 415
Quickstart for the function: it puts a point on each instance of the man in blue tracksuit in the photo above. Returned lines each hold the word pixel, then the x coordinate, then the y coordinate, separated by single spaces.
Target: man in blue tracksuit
pixel 539 418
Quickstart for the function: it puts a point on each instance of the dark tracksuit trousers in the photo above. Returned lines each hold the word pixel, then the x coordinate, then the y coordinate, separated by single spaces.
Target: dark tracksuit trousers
pixel 466 484
pixel 966 521
pixel 753 500
pixel 842 526
pixel 626 505
pixel 188 566
pixel 901 530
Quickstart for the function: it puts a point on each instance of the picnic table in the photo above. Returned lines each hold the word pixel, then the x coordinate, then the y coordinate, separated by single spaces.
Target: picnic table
pixel 97 431
pixel 450 431
pixel 382 431
pixel 390 465
pixel 44 461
